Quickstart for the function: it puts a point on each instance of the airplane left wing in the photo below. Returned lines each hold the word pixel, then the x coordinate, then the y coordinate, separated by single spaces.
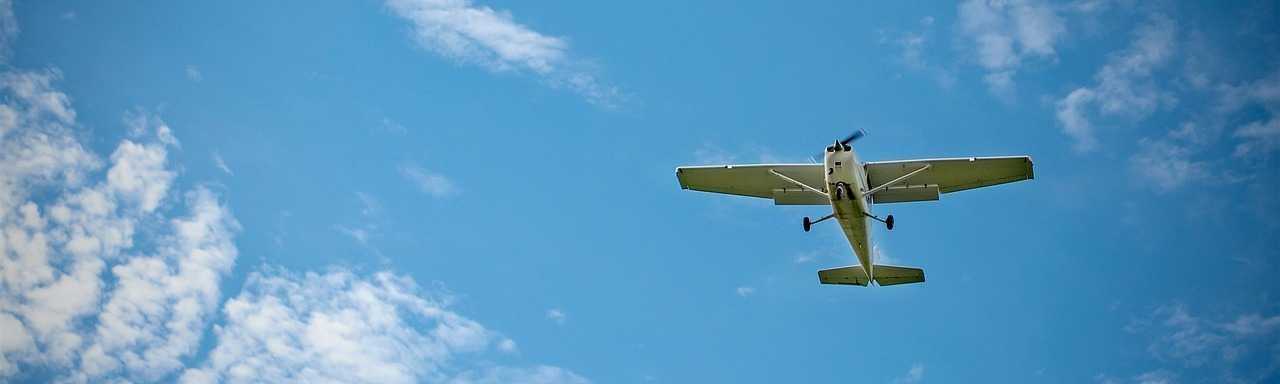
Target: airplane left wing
pixel 755 180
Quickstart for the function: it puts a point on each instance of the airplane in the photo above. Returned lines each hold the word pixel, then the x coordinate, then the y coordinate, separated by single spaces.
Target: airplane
pixel 851 187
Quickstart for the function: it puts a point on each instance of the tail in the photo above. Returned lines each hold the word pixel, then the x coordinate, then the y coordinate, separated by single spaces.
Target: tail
pixel 885 275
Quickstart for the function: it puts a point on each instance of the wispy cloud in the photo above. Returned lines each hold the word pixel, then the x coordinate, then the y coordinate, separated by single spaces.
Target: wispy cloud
pixel 476 34
pixel 1185 339
pixel 221 164
pixel 557 316
pixel 915 46
pixel 193 73
pixel 392 126
pixel 1167 163
pixel 8 30
pixel 913 375
pixel 1124 86
pixel 744 291
pixel 431 183
pixel 1005 34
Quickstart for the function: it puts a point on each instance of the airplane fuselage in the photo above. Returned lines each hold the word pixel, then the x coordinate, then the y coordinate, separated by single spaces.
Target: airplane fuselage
pixel 846 187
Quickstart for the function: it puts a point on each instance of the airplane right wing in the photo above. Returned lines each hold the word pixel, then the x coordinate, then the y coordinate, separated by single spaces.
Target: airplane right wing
pixel 943 176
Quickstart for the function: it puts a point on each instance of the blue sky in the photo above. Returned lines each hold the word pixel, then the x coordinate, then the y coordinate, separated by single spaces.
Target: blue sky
pixel 483 191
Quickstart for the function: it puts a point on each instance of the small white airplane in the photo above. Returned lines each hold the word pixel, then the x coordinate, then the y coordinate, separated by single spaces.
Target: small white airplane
pixel 851 187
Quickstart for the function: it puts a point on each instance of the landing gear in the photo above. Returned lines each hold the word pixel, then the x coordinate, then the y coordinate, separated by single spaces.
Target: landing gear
pixel 888 220
pixel 808 224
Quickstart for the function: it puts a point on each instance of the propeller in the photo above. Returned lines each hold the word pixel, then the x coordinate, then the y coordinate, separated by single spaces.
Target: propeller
pixel 844 144
pixel 853 137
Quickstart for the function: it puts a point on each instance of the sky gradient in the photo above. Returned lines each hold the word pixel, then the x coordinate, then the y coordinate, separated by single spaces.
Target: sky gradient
pixel 476 191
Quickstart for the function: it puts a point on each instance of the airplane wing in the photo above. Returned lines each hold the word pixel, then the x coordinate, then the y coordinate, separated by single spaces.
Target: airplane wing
pixel 943 176
pixel 755 180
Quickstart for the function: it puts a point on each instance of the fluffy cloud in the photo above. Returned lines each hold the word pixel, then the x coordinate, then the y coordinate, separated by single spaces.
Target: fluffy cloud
pixel 469 33
pixel 91 289
pixel 106 276
pixel 63 222
pixel 340 327
pixel 1123 87
pixel 1005 34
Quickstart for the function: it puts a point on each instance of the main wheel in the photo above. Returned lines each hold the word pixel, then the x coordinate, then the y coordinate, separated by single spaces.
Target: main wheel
pixel 888 222
pixel 807 224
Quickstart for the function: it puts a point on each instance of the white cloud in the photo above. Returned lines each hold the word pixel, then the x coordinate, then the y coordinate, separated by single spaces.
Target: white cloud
pixel 913 375
pixel 161 303
pixel 193 73
pixel 557 315
pixel 475 34
pixel 343 327
pixel 222 164
pixel 1005 34
pixel 744 291
pixel 431 183
pixel 56 245
pixel 1124 86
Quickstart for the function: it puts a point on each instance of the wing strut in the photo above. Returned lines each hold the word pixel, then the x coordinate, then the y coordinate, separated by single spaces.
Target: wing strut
pixel 897 180
pixel 798 183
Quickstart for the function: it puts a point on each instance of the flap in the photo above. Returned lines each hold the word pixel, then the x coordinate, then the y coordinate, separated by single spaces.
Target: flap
pixel 904 193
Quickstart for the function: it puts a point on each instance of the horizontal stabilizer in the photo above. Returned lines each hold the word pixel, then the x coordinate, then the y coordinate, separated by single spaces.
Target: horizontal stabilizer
pixel 885 275
pixel 853 275
pixel 893 275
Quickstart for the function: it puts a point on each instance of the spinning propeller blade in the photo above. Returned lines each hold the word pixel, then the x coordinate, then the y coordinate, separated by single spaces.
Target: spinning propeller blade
pixel 854 137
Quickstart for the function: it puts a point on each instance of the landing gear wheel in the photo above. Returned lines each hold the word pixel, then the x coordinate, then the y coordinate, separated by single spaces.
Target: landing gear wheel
pixel 888 222
pixel 807 224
